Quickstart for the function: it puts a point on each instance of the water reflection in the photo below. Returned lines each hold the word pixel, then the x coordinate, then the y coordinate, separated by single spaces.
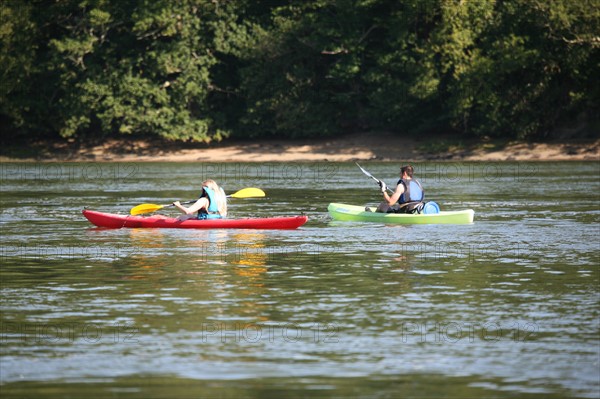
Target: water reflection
pixel 148 259
pixel 225 267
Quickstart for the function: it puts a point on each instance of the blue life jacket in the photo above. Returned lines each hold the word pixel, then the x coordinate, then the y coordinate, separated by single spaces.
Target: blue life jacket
pixel 413 191
pixel 213 209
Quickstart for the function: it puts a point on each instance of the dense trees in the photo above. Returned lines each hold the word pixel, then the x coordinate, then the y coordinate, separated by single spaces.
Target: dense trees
pixel 203 70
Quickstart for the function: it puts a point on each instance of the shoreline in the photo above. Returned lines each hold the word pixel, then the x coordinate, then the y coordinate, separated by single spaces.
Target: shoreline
pixel 354 147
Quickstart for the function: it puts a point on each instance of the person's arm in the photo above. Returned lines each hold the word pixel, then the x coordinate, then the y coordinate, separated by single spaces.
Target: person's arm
pixel 391 200
pixel 196 206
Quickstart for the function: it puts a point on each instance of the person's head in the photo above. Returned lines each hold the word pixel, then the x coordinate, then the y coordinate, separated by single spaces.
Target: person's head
pixel 219 194
pixel 210 183
pixel 408 170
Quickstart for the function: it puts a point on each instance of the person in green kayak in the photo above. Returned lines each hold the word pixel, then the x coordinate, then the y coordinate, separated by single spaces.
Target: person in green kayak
pixel 407 197
pixel 212 203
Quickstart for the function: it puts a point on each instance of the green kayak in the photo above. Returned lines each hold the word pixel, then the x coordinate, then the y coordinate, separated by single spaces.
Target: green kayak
pixel 359 214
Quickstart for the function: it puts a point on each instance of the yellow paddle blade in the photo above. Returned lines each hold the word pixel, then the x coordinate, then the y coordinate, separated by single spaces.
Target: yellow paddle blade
pixel 248 193
pixel 145 208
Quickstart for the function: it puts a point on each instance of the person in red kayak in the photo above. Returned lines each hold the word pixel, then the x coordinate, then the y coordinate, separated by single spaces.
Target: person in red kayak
pixel 212 203
pixel 408 196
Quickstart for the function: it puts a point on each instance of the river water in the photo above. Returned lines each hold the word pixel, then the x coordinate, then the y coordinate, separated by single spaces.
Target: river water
pixel 505 307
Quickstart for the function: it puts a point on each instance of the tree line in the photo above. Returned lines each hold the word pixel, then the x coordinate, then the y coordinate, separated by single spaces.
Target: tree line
pixel 202 70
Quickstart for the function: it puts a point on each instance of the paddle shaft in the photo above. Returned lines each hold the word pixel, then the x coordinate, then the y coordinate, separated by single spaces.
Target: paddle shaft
pixel 184 203
pixel 373 177
pixel 192 201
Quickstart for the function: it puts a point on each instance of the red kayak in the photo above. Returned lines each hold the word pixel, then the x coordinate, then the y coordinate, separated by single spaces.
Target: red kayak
pixel 117 221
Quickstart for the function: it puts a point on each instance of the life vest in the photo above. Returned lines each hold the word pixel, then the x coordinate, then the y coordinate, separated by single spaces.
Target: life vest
pixel 212 212
pixel 413 191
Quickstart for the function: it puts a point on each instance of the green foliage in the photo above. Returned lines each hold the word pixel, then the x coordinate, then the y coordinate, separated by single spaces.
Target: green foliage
pixel 198 70
pixel 17 58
